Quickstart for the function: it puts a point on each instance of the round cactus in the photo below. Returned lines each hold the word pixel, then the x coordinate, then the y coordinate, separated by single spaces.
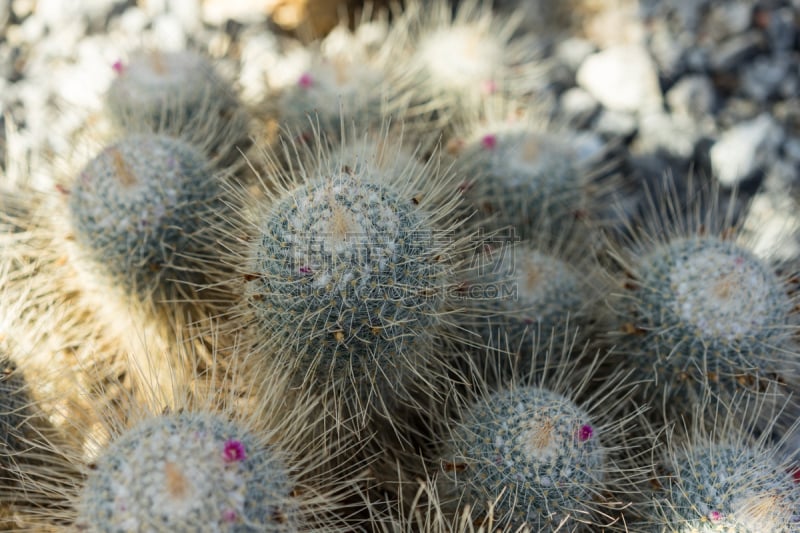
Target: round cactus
pixel 706 313
pixel 178 93
pixel 346 271
pixel 146 212
pixel 184 472
pixel 532 452
pixel 446 60
pixel 526 299
pixel 724 477
pixel 520 176
pixel 730 488
pixel 342 79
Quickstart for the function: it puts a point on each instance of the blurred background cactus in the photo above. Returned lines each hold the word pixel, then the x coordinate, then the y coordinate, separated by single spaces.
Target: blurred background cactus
pixel 446 266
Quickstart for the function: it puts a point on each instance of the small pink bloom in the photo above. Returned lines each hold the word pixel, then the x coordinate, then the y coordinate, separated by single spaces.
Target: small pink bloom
pixel 715 516
pixel 233 451
pixel 488 87
pixel 118 67
pixel 585 432
pixel 229 516
pixel 305 269
pixel 305 81
pixel 489 141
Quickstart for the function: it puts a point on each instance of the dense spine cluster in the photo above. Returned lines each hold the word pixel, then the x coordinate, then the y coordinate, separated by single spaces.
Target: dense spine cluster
pixel 146 212
pixel 187 471
pixel 534 454
pixel 708 316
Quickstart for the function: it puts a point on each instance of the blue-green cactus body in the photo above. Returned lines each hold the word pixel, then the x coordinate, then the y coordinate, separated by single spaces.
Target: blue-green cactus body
pixel 537 448
pixel 729 488
pixel 346 273
pixel 143 210
pixel 708 313
pixel 521 178
pixel 184 473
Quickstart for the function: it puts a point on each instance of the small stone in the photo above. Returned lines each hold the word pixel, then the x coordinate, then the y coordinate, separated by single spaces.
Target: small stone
pixel 578 106
pixel 736 50
pixel 693 96
pixel 792 149
pixel 622 78
pixel 744 149
pixel 133 21
pixel 761 79
pixel 782 29
pixel 573 51
pixel 660 131
pixel 169 34
pixel 187 12
pixel 615 123
pixel 737 110
pixel 666 50
pixel 22 8
pixel 729 18
pixel 697 59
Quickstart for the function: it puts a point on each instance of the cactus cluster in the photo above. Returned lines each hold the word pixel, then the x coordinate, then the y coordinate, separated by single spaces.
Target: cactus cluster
pixel 401 311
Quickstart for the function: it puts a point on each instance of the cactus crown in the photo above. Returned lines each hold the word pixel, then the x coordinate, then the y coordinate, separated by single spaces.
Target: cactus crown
pixel 715 290
pixel 180 472
pixel 536 443
pixel 347 264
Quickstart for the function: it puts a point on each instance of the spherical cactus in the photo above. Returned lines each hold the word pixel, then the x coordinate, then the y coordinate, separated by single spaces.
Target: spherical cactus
pixel 706 313
pixel 146 212
pixel 186 472
pixel 178 93
pixel 341 81
pixel 532 452
pixel 447 60
pixel 525 299
pixel 724 477
pixel 346 271
pixel 515 174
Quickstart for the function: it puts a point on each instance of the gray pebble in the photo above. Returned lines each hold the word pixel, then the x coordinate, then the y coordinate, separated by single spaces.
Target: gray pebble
pixel 792 149
pixel 660 131
pixel 782 29
pixel 615 123
pixel 573 51
pixel 693 96
pixel 737 49
pixel 761 79
pixel 578 106
pixel 745 148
